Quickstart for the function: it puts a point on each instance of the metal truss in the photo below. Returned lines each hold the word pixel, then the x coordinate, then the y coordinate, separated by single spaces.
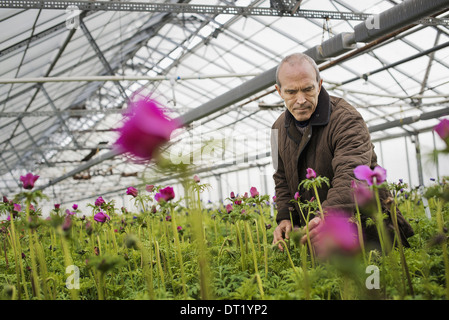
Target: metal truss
pixel 195 9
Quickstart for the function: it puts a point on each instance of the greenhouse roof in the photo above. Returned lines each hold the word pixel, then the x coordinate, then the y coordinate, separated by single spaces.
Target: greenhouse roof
pixel 68 68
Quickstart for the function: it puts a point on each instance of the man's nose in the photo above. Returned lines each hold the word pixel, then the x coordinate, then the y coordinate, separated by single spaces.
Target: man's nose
pixel 300 98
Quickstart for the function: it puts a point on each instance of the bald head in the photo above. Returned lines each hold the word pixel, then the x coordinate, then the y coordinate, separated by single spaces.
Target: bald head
pixel 297 58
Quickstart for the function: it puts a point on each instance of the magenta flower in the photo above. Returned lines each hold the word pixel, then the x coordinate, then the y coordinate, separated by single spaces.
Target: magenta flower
pixel 69 213
pixel 28 180
pixel 274 198
pixel 57 205
pixel 179 228
pixel 228 208
pixel 362 194
pixel 338 234
pixel 75 206
pixel 232 195
pixel 311 174
pixel 132 192
pixel 253 192
pixel 297 196
pixel 165 194
pixel 101 217
pixel 378 174
pixel 145 130
pixel 99 202
pixel 17 207
pixel 442 129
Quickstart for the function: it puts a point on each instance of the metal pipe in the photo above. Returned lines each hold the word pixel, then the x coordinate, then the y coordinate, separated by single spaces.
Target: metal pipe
pixel 123 78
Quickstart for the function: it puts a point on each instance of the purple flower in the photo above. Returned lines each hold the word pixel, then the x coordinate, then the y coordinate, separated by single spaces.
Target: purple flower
pixel 378 174
pixel 99 202
pixel 165 194
pixel 145 130
pixel 5 199
pixel 442 129
pixel 253 192
pixel 101 217
pixel 28 180
pixel 132 192
pixel 311 174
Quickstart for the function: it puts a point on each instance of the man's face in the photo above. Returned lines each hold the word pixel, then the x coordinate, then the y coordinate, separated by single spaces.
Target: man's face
pixel 299 88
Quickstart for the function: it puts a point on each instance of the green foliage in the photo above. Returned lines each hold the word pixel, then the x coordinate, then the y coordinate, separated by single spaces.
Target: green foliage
pixel 142 255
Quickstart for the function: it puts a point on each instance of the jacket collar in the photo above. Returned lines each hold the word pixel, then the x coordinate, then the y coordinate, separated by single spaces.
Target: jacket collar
pixel 321 115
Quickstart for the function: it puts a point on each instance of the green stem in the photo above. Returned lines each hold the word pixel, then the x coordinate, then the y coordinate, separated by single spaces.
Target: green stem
pixel 318 201
pixel 178 250
pixel 259 281
pixel 440 224
pixel 35 278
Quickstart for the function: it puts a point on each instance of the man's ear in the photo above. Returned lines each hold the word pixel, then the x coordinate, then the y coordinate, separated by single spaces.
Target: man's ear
pixel 278 89
pixel 320 84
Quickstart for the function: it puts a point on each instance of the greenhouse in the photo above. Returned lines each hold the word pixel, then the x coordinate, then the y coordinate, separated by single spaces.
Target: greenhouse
pixel 141 151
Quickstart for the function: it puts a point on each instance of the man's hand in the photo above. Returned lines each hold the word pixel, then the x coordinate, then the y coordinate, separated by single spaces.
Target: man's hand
pixel 283 229
pixel 314 231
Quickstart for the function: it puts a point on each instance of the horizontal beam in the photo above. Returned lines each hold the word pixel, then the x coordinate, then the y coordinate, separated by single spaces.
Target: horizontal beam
pixel 194 8
pixel 122 78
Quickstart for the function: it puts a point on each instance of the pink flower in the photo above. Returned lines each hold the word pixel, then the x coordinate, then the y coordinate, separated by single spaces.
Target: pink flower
pixel 17 207
pixel 145 130
pixel 179 228
pixel 232 195
pixel 99 202
pixel 228 208
pixel 338 234
pixel 69 213
pixel 253 192
pixel 165 194
pixel 149 187
pixel 274 198
pixel 442 129
pixel 132 191
pixel 297 196
pixel 311 174
pixel 378 174
pixel 101 217
pixel 28 180
pixel 362 194
pixel 196 179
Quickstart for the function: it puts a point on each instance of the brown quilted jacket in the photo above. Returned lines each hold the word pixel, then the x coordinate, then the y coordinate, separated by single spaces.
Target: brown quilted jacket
pixel 335 142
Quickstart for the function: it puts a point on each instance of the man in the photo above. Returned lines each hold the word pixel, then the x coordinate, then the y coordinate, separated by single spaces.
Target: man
pixel 324 133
